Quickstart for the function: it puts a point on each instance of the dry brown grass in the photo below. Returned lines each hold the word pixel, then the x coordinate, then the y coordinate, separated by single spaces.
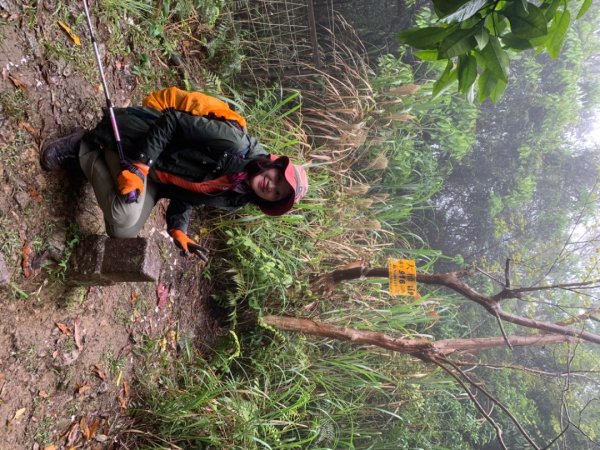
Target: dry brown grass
pixel 338 107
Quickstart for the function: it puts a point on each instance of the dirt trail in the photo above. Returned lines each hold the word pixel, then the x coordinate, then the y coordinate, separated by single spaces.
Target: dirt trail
pixel 66 359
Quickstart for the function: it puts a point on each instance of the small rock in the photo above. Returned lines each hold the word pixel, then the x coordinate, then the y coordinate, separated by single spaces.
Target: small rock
pixel 71 357
pixel 22 199
pixel 4 273
pixel 101 438
pixel 41 181
pixel 57 245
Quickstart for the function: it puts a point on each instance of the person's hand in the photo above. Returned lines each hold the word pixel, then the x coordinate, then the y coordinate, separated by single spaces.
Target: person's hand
pixel 187 245
pixel 131 181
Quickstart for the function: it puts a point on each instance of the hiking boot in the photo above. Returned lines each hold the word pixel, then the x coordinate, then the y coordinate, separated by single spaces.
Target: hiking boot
pixel 63 153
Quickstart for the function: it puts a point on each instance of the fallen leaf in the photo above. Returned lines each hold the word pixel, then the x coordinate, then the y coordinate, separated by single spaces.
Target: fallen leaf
pixel 43 394
pixel 72 434
pixel 85 430
pixel 64 328
pixel 133 298
pixel 83 388
pixel 35 194
pixel 162 294
pixel 77 335
pixel 25 260
pixel 97 370
pixel 123 396
pixel 18 83
pixel 93 427
pixel 27 127
pixel 51 447
pixel 17 415
pixel 68 30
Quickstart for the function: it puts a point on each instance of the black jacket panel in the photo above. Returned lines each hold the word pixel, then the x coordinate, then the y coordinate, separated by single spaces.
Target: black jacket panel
pixel 195 148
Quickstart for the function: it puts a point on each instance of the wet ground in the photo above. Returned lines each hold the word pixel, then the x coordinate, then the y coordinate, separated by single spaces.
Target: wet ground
pixel 67 355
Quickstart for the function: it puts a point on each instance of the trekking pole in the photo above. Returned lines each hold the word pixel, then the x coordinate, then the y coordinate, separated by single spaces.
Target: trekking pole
pixel 124 162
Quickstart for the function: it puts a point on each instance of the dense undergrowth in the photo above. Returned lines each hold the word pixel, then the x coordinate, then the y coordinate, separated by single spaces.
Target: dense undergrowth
pixel 376 146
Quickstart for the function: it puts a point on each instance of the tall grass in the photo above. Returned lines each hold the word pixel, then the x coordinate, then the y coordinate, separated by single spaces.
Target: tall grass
pixel 288 392
pixel 367 143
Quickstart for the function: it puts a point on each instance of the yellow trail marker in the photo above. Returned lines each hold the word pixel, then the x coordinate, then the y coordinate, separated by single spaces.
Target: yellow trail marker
pixel 403 277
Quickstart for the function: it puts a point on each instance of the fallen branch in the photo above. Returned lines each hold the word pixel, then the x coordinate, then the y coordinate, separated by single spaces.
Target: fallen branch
pixel 423 349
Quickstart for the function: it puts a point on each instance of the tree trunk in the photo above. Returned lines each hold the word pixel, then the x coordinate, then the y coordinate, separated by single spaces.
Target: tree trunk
pixel 420 348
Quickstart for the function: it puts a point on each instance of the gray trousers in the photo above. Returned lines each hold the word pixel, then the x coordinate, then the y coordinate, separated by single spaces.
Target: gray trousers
pixel 122 220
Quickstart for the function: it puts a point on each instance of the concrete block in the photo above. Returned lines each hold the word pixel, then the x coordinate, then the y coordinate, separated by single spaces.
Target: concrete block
pixel 134 259
pixel 85 263
pixel 101 261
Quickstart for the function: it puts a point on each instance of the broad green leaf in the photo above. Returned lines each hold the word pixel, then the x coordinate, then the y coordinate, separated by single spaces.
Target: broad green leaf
pixel 496 24
pixel 465 12
pixel 490 86
pixel 539 42
pixel 515 43
pixel 444 82
pixel 467 72
pixel 458 43
pixel 558 33
pixel 427 55
pixel 444 7
pixel 497 91
pixel 482 37
pixel 551 9
pixel 584 8
pixel 424 38
pixel 495 59
pixel 522 6
pixel 527 25
pixel 486 84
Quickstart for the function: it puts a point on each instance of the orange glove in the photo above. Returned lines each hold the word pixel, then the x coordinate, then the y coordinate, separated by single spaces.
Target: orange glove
pixel 187 245
pixel 130 182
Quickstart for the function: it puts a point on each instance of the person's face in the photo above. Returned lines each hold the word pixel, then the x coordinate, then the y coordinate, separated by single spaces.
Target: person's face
pixel 270 185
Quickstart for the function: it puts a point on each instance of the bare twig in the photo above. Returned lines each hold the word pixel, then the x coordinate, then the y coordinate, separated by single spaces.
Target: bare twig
pixel 497 402
pixel 474 400
pixel 490 276
pixel 507 273
pixel 575 374
pixel 502 330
